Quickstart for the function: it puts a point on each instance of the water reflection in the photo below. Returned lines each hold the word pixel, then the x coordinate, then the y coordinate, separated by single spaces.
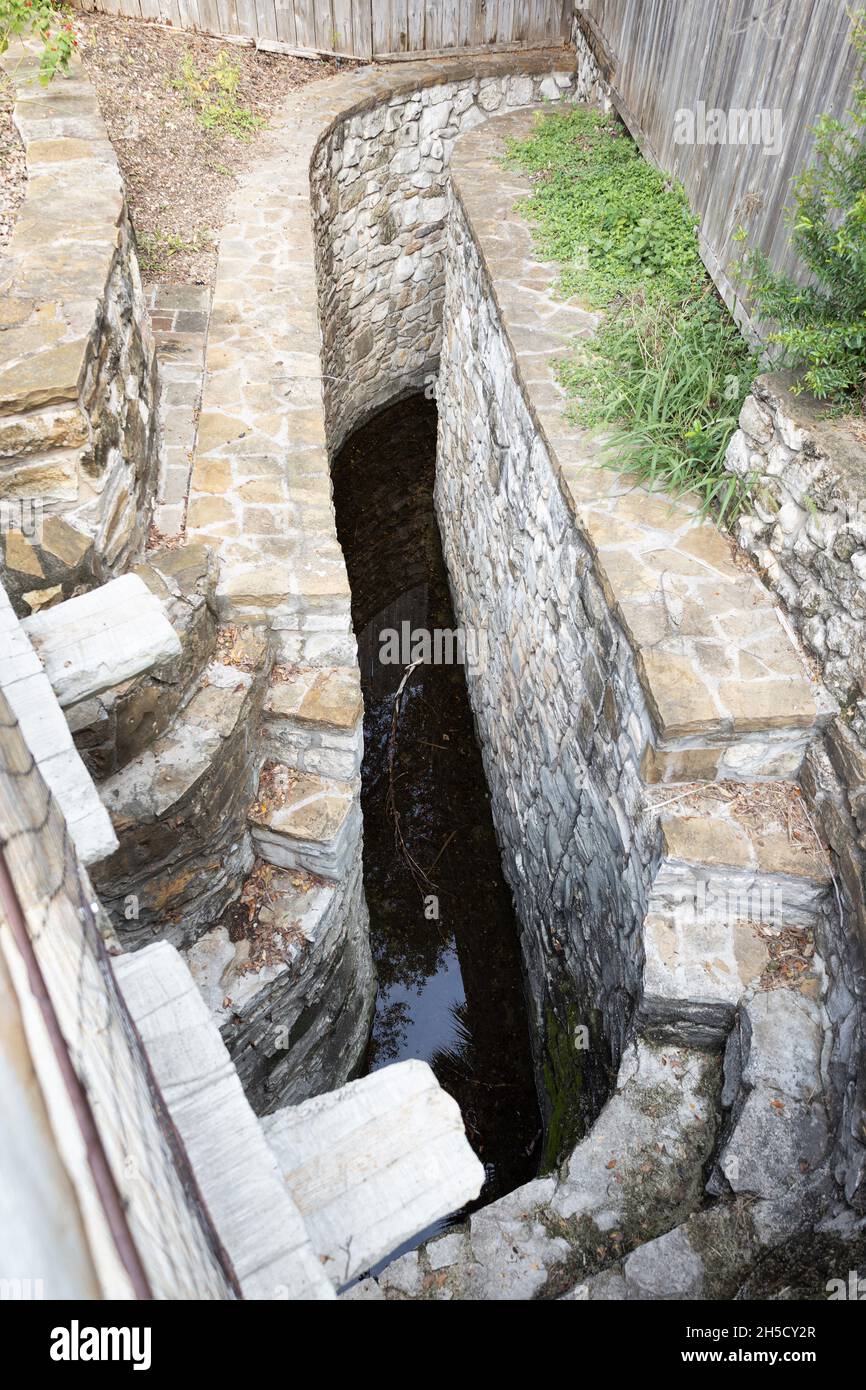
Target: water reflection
pixel 444 936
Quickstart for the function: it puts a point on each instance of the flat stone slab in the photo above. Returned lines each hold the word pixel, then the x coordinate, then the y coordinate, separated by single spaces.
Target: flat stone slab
pixel 775 1083
pixel 374 1163
pixel 299 820
pixel 746 833
pixel 102 638
pixel 328 697
pixel 638 1172
pixel 736 874
pixel 257 1221
pixel 161 776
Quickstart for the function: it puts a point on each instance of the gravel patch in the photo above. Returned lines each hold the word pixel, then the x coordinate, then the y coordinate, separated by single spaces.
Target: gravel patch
pixel 13 171
pixel 179 176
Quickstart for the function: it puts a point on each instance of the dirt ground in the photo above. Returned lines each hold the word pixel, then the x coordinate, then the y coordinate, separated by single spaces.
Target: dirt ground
pixel 179 176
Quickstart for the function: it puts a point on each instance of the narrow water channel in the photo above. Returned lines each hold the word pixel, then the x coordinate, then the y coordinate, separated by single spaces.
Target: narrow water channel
pixel 444 935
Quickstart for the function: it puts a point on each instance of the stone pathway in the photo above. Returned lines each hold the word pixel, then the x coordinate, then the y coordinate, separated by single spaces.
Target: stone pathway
pixel 179 318
pixel 729 692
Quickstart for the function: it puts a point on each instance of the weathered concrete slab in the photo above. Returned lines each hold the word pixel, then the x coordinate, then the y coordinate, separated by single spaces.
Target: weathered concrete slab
pixel 374 1163
pixel 46 732
pixel 102 638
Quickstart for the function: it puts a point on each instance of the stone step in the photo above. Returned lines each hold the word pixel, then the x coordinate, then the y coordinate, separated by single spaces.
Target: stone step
pixel 255 1218
pixel 373 1164
pixel 25 684
pixel 301 821
pixel 114 725
pixel 102 638
pixel 179 807
pixel 740 880
pixel 288 977
pixel 313 720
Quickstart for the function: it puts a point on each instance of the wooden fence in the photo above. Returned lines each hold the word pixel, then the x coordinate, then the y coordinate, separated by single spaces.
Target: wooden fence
pixel 362 28
pixel 674 62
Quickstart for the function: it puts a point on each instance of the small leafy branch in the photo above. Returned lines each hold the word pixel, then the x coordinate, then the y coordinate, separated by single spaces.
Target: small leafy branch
pixel 821 326
pixel 43 20
pixel 214 95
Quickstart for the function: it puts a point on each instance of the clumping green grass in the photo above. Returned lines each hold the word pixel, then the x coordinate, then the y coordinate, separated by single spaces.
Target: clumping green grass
pixel 667 373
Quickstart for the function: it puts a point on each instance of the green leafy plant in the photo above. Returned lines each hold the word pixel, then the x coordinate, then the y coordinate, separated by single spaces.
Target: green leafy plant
pixel 667 372
pixel 611 219
pixel 820 326
pixel 42 20
pixel 214 95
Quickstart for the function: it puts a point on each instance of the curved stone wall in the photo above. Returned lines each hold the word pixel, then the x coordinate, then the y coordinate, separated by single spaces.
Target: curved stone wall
pixel 627 651
pixel 78 388
pixel 379 182
pixel 280 394
pixel 629 648
pixel 625 647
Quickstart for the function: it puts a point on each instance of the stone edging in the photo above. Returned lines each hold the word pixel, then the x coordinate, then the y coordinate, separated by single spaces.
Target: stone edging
pixel 78 439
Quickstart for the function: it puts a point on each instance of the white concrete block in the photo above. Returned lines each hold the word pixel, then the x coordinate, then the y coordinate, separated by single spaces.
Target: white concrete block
pixel 102 638
pixel 374 1163
pixel 252 1211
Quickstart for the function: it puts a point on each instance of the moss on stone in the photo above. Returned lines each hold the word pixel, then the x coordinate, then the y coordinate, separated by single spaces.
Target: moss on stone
pixel 562 1070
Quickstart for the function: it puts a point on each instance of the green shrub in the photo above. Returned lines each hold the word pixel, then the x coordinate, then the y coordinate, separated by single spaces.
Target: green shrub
pixel 43 20
pixel 821 326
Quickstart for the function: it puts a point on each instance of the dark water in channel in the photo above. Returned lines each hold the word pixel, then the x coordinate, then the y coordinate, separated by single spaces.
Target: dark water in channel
pixel 450 990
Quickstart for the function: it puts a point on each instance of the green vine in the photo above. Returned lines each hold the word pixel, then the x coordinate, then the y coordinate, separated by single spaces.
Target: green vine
pixel 42 20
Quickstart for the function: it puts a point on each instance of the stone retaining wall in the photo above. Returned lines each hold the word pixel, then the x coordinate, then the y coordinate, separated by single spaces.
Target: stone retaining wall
pixel 350 192
pixel 78 387
pixel 804 524
pixel 622 640
pixel 562 719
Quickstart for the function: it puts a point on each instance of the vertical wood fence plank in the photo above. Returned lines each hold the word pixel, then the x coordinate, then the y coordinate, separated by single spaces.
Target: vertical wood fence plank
pixel 416 26
pixel 266 19
pixel 362 28
pixel 305 23
pixel 344 41
pixel 284 15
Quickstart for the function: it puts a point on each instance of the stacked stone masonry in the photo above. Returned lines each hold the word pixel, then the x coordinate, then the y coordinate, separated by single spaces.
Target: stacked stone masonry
pixel 78 385
pixel 804 523
pixel 280 394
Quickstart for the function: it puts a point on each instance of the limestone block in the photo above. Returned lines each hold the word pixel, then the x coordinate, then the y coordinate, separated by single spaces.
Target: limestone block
pixel 374 1163
pixel 256 1220
pixel 46 732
